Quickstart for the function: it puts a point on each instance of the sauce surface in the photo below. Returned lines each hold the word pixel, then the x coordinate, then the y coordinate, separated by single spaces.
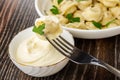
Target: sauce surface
pixel 37 52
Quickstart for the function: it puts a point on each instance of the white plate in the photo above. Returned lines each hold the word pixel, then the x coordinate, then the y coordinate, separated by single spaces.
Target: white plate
pixel 42 5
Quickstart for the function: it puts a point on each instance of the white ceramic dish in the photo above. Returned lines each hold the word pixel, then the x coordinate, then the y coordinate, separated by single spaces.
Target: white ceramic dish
pixel 36 71
pixel 42 5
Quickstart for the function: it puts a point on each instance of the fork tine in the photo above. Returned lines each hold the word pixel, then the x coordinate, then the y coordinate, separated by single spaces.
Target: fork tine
pixel 64 43
pixel 62 46
pixel 58 48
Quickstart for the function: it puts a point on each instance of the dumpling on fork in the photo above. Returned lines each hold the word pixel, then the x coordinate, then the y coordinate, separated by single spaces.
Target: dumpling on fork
pixel 49 25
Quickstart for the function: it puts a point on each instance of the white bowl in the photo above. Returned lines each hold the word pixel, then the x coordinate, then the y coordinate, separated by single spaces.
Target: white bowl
pixel 43 5
pixel 36 71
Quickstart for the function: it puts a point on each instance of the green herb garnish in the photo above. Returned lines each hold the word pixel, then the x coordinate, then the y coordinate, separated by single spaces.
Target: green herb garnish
pixel 97 24
pixel 72 19
pixel 39 29
pixel 59 1
pixel 54 10
pixel 69 16
pixel 108 23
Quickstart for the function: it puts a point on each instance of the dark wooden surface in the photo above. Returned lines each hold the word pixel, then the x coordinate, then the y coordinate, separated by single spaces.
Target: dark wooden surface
pixel 16 15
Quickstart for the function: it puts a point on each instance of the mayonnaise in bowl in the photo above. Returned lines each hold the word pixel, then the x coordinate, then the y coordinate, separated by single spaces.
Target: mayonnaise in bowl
pixel 36 56
pixel 36 52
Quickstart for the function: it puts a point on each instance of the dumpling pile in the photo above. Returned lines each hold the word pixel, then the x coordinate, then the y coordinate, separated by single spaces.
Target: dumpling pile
pixel 87 14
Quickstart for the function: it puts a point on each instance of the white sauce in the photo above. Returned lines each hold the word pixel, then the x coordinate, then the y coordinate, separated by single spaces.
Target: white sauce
pixel 37 52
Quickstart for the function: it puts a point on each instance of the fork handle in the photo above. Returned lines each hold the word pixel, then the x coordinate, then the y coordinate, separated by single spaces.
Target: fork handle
pixel 107 66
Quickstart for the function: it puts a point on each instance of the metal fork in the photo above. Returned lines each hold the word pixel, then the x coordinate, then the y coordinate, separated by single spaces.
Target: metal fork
pixel 77 56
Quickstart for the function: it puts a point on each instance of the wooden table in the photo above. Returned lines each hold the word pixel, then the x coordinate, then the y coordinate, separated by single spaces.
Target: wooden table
pixel 16 15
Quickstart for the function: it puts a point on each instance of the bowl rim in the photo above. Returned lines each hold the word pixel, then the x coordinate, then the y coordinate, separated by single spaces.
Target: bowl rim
pixel 12 59
pixel 37 9
pixel 92 30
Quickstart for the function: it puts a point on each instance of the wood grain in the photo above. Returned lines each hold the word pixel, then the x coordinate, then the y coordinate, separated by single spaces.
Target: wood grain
pixel 16 15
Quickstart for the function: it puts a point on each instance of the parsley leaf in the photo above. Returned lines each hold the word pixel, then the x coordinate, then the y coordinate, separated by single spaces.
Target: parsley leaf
pixel 39 29
pixel 54 10
pixel 59 1
pixel 76 19
pixel 108 23
pixel 97 24
pixel 69 16
pixel 72 19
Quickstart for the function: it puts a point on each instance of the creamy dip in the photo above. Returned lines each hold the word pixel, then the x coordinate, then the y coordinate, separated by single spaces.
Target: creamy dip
pixel 36 52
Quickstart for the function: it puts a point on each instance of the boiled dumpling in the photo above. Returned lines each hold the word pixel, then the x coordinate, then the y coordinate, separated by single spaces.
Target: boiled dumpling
pixel 71 10
pixel 52 27
pixel 93 13
pixel 116 12
pixel 107 16
pixel 55 2
pixel 54 31
pixel 78 14
pixel 117 22
pixel 101 6
pixel 110 3
pixel 62 19
pixel 78 25
pixel 90 26
pixel 119 3
pixel 68 7
pixel 84 4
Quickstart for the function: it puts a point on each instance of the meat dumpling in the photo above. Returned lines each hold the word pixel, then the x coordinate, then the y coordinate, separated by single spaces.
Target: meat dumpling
pixel 62 19
pixel 84 4
pixel 78 14
pixel 78 25
pixel 107 16
pixel 116 12
pixel 93 13
pixel 68 7
pixel 110 3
